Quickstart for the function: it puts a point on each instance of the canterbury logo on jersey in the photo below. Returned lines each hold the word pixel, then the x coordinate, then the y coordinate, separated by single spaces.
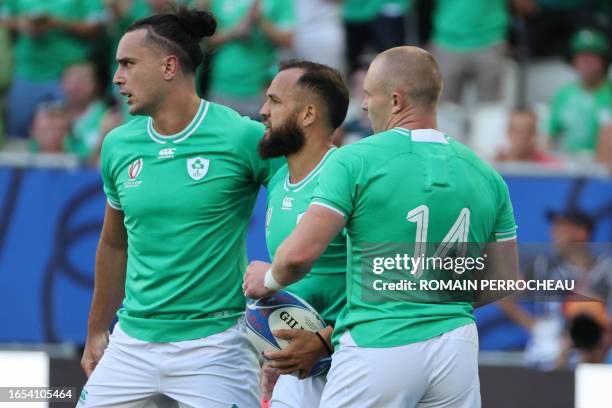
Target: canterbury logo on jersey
pixel 166 153
pixel 287 203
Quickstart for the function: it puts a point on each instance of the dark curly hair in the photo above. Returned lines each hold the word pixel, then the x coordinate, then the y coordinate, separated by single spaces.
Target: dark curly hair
pixel 179 33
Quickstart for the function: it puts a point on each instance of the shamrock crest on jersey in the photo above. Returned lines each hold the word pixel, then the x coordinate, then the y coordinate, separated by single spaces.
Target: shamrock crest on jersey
pixel 197 167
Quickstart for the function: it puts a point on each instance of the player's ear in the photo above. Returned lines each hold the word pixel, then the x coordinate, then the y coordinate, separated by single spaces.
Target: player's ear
pixel 170 67
pixel 309 115
pixel 397 103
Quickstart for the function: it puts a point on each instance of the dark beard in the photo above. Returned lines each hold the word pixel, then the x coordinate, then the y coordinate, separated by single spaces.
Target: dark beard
pixel 283 141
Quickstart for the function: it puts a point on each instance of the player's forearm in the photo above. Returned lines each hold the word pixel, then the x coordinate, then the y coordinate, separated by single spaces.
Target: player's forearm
pixel 291 264
pixel 109 286
pixel 278 37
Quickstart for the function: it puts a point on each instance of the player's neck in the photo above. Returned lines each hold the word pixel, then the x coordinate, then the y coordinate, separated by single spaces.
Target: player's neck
pixel 412 120
pixel 302 163
pixel 175 113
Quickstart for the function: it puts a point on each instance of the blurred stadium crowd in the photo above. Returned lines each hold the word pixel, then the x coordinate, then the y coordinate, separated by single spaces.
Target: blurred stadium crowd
pixel 526 81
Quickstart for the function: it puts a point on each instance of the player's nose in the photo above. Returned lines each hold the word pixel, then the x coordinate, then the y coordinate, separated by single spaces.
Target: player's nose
pixel 118 78
pixel 264 111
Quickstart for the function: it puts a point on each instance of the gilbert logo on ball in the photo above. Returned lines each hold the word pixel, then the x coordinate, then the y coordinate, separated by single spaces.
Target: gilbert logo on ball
pixel 283 310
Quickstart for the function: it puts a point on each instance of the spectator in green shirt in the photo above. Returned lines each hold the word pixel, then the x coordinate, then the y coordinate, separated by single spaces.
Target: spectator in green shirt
pixel 85 109
pixel 51 35
pixel 468 42
pixel 250 32
pixel 379 23
pixel 580 108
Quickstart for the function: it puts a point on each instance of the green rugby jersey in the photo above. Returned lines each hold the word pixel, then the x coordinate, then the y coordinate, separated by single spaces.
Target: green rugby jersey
pixel 325 285
pixel 187 200
pixel 383 185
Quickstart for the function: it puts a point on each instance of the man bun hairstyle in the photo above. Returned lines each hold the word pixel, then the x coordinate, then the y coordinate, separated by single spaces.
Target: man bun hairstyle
pixel 327 84
pixel 179 33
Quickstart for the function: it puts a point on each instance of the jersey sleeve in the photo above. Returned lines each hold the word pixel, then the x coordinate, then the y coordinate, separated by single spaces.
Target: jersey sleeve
pixel 108 180
pixel 505 225
pixel 262 170
pixel 337 184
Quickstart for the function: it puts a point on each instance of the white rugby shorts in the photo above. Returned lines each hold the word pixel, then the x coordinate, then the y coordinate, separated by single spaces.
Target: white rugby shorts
pixel 441 372
pixel 218 371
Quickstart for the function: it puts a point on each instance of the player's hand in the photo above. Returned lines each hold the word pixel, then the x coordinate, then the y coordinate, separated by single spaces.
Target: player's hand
pixel 303 352
pixel 269 376
pixel 254 13
pixel 253 284
pixel 94 348
pixel 243 30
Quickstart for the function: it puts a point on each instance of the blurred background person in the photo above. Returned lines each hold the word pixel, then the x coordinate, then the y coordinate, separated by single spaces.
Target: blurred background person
pixel 250 35
pixel 50 35
pixel 578 108
pixel 551 23
pixel 375 23
pixel 319 35
pixel 49 128
pixel 357 125
pixel 85 109
pixel 587 340
pixel 571 232
pixel 469 41
pixel 522 138
pixel 113 117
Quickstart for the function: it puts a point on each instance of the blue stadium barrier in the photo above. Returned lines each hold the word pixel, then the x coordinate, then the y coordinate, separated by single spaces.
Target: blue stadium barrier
pixel 50 221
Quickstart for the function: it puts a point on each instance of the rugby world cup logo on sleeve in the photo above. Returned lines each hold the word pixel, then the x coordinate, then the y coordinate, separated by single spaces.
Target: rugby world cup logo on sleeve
pixel 135 168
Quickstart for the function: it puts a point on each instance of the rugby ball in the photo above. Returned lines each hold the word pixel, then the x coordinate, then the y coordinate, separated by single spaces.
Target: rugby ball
pixel 283 310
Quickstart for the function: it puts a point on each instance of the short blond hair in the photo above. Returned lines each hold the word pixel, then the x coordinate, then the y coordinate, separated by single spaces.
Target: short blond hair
pixel 412 71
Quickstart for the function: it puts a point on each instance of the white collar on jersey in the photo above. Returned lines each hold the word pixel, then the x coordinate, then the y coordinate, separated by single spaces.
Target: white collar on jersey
pixel 313 173
pixel 424 135
pixel 183 134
